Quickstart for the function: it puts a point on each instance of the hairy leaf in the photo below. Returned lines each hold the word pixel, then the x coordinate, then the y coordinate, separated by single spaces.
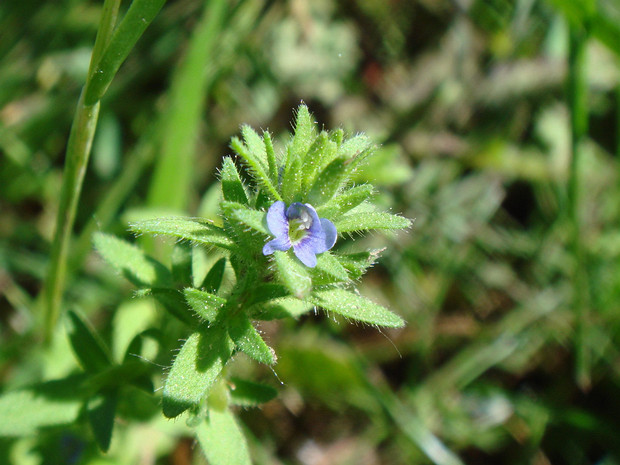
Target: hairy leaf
pixel 359 220
pixel 213 279
pixel 305 133
pixel 356 307
pixel 233 189
pixel 248 341
pixel 255 164
pixel 255 145
pixel 222 440
pixel 345 201
pixel 53 403
pixel 293 274
pixel 281 308
pixel 172 301
pixel 291 181
pixel 131 262
pixel 328 270
pixel 207 306
pixel 191 229
pixel 88 347
pixel 101 410
pixel 253 218
pixel 182 264
pixel 271 158
pixel 357 263
pixel 321 149
pixel 249 394
pixel 265 292
pixel 329 181
pixel 195 369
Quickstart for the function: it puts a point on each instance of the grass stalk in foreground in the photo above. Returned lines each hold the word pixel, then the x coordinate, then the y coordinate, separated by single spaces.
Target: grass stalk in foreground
pixel 78 151
pixel 577 100
pixel 112 46
pixel 76 161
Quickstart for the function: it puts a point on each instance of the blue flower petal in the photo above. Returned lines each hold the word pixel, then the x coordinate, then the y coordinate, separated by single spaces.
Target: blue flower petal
pixel 304 251
pixel 315 235
pixel 330 233
pixel 277 221
pixel 279 243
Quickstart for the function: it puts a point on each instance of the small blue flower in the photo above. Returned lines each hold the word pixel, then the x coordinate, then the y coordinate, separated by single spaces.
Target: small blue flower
pixel 299 226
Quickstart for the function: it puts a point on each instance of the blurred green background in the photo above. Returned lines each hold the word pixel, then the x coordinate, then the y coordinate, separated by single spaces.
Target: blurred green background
pixel 497 125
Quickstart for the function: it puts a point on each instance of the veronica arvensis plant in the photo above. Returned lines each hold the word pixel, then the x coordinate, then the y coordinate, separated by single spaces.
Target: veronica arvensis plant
pixel 277 231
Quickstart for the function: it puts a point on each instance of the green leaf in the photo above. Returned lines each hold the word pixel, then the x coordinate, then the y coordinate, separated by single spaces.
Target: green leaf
pixel 329 181
pixel 191 229
pixel 171 181
pixel 305 133
pixel 195 369
pixel 253 218
pixel 249 394
pixel 88 347
pixel 172 301
pixel 291 181
pixel 281 308
pixel 101 411
pixel 357 263
pixel 207 306
pixel 321 148
pixel 358 220
pixel 256 168
pixel 337 136
pixel 356 307
pixel 131 262
pixel 328 270
pixel 356 147
pixel 182 264
pixel 271 158
pixel 222 440
pixel 213 279
pixel 54 403
pixel 297 149
pixel 255 145
pixel 265 292
pixel 233 189
pixel 345 201
pixel 133 24
pixel 293 274
pixel 248 341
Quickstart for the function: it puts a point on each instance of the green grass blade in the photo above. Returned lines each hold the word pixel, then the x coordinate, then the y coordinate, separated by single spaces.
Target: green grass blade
pixel 577 99
pixel 78 152
pixel 172 179
pixel 140 14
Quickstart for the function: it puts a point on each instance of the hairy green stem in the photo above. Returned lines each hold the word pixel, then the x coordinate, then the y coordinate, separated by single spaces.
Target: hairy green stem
pixel 577 99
